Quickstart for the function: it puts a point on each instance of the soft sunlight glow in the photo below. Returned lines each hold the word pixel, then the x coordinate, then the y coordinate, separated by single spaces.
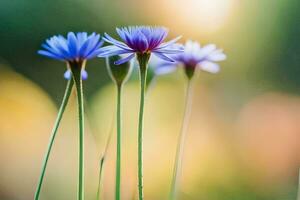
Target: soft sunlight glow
pixel 207 15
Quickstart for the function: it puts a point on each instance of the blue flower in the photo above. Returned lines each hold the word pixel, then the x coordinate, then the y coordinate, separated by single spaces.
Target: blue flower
pixel 76 47
pixel 195 56
pixel 140 40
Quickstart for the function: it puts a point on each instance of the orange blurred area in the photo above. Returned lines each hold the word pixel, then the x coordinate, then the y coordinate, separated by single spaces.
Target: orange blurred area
pixel 268 129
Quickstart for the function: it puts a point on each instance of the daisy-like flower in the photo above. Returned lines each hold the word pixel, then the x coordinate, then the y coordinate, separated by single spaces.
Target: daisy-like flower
pixel 140 40
pixel 75 48
pixel 195 56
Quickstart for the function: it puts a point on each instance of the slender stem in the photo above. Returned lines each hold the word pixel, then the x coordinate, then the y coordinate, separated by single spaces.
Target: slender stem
pixel 53 135
pixel 298 195
pixel 78 82
pixel 143 74
pixel 103 157
pixel 100 177
pixel 118 162
pixel 181 141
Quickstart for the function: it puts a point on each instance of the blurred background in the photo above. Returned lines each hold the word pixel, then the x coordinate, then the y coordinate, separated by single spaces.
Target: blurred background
pixel 244 134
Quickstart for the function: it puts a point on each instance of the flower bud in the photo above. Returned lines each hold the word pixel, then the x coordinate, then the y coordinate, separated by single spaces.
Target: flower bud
pixel 118 73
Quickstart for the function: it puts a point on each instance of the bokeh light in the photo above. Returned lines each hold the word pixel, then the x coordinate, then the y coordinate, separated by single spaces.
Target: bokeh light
pixel 203 15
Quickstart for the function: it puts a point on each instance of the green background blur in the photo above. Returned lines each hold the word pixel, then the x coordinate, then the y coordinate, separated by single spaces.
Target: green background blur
pixel 244 133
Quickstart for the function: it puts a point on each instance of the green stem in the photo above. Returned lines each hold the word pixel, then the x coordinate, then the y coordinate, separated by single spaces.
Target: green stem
pixel 181 142
pixel 53 135
pixel 118 162
pixel 78 82
pixel 100 177
pixel 143 74
pixel 103 158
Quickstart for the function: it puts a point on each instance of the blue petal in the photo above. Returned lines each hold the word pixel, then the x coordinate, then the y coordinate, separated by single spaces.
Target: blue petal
pixel 53 46
pixel 60 43
pixel 127 35
pixel 164 57
pixel 113 41
pixel 169 51
pixel 163 45
pixel 49 54
pixel 92 44
pixel 140 42
pixel 112 51
pixel 95 50
pixel 124 60
pixel 53 51
pixel 81 38
pixel 72 44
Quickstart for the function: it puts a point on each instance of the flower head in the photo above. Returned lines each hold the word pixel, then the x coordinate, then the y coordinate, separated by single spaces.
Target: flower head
pixel 195 56
pixel 74 48
pixel 140 40
pixel 204 57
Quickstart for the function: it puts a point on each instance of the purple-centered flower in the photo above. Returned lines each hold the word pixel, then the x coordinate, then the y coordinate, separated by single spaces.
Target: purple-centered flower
pixel 141 40
pixel 77 47
pixel 195 56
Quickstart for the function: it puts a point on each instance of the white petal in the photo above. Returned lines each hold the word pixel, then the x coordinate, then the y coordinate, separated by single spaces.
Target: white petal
pixel 206 50
pixel 216 56
pixel 209 67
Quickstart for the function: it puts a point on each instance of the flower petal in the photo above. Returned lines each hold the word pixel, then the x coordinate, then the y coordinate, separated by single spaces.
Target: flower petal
pixel 164 57
pixel 169 50
pixel 163 45
pixel 72 44
pixel 49 54
pixel 209 67
pixel 124 60
pixel 206 50
pixel 111 51
pixel 216 56
pixel 140 42
pixel 115 42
